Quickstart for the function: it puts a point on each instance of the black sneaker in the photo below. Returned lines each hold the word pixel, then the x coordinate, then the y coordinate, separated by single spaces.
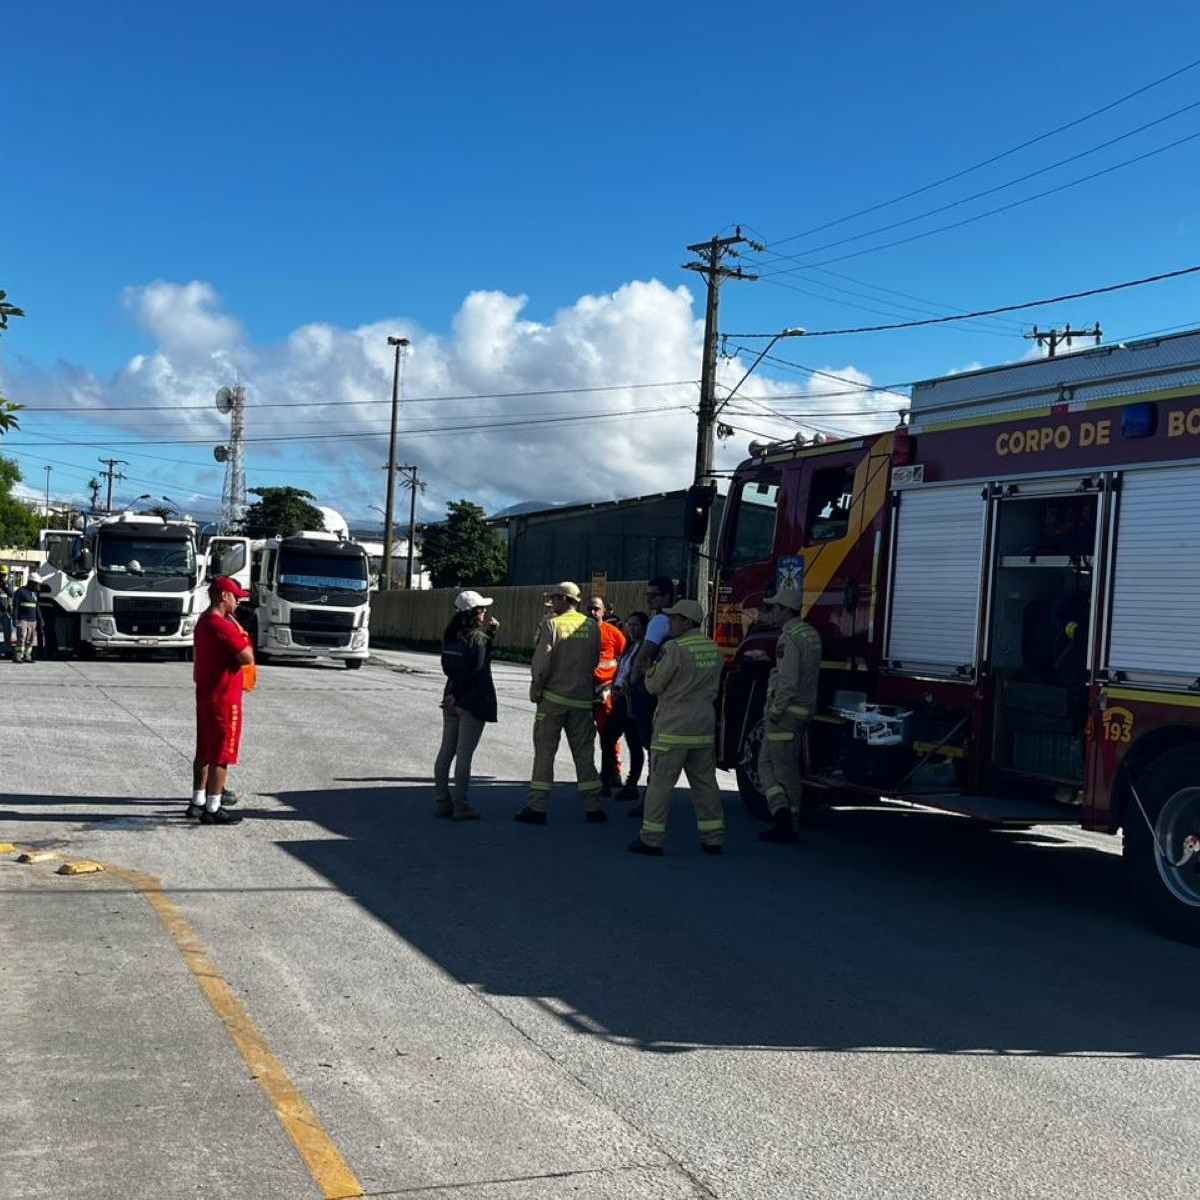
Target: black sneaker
pixel 229 798
pixel 596 816
pixel 710 849
pixel 221 817
pixel 782 831
pixel 639 847
pixel 530 816
pixel 194 811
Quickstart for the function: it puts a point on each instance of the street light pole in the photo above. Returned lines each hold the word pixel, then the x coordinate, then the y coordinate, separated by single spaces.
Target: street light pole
pixel 47 521
pixel 413 484
pixel 400 344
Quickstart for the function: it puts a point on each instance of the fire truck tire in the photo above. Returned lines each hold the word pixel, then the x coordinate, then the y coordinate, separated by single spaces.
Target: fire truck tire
pixel 352 664
pixel 746 772
pixel 1162 864
pixel 85 650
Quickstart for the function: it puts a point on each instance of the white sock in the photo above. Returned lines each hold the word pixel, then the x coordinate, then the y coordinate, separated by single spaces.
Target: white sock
pixel 198 797
pixel 212 803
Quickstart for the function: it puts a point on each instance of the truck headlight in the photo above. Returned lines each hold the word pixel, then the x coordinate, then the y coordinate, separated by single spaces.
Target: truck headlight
pixel 359 640
pixel 189 626
pixel 282 636
pixel 105 626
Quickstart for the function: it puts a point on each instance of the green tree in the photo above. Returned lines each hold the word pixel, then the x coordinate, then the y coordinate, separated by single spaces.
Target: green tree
pixel 18 525
pixel 8 408
pixel 464 551
pixel 280 512
pixel 161 510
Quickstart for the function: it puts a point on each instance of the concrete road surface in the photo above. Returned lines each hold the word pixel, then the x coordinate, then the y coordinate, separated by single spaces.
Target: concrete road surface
pixel 343 996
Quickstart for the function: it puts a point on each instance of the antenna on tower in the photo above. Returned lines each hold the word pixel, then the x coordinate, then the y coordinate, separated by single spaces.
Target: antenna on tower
pixel 231 402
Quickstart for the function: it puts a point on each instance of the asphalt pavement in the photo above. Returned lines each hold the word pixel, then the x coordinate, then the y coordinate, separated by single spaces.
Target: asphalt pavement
pixel 344 996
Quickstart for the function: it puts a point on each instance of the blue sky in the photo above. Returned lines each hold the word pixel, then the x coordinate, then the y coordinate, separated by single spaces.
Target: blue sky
pixel 344 171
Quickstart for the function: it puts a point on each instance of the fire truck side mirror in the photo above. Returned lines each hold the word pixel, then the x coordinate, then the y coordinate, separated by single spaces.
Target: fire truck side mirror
pixel 696 507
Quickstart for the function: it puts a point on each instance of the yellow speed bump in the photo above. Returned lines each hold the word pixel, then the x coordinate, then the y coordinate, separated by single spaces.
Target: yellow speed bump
pixel 81 866
pixel 6 847
pixel 32 856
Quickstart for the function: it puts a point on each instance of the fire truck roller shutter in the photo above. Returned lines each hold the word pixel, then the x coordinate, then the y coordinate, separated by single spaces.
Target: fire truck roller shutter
pixel 936 581
pixel 1156 581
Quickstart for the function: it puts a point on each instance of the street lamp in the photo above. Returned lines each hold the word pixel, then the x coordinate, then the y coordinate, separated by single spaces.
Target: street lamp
pixel 401 344
pixel 791 331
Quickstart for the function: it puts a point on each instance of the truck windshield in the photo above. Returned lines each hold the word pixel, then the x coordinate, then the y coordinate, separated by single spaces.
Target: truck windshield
pixel 753 538
pixel 123 559
pixel 323 578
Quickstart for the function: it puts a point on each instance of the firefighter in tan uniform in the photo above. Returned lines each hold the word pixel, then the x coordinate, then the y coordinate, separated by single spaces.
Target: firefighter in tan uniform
pixel 685 678
pixel 791 701
pixel 562 686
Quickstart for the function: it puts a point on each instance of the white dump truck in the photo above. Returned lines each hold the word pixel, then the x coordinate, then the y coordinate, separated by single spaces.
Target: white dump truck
pixel 310 594
pixel 126 583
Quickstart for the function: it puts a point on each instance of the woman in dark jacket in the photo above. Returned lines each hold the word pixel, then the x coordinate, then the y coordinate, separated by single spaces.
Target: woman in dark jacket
pixel 468 703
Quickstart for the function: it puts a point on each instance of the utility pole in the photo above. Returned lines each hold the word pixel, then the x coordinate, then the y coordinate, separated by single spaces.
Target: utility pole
pixel 413 483
pixel 401 344
pixel 94 488
pixel 111 465
pixel 710 263
pixel 47 523
pixel 1053 338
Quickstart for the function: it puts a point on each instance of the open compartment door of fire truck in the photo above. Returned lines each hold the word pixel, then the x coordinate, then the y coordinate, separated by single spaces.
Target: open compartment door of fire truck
pixel 936 580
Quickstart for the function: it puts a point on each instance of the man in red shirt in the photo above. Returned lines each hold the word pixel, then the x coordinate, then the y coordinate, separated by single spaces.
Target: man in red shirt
pixel 222 649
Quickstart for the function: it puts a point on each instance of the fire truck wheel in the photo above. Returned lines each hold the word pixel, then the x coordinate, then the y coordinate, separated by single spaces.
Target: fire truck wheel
pixel 352 664
pixel 1162 845
pixel 747 775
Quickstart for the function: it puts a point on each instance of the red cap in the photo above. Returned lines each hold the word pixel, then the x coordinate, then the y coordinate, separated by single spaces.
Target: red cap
pixel 223 583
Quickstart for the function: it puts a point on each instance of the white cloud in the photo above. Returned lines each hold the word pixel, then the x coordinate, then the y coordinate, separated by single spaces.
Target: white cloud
pixel 327 380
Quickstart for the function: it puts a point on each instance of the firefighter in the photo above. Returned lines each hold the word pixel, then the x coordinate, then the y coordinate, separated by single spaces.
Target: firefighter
pixel 562 686
pixel 612 646
pixel 685 678
pixel 791 701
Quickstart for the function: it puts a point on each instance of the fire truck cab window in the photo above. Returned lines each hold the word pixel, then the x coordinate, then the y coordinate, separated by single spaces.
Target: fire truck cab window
pixel 830 497
pixel 754 534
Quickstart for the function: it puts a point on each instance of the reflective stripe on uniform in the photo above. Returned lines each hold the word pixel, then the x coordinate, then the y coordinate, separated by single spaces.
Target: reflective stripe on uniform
pixel 565 701
pixel 682 739
pixel 654 827
pixel 538 786
pixel 592 785
pixel 710 826
pixel 785 736
pixel 776 789
pixel 799 710
pixel 607 664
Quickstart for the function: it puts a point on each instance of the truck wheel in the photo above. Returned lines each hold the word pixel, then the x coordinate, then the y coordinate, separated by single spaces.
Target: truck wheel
pixel 747 775
pixel 1162 846
pixel 184 654
pixel 352 664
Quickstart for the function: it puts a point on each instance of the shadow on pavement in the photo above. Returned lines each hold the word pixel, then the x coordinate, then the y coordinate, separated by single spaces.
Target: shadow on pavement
pixel 886 930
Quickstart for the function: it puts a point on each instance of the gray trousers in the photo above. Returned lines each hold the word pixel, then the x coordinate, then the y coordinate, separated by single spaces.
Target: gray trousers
pixel 26 638
pixel 460 735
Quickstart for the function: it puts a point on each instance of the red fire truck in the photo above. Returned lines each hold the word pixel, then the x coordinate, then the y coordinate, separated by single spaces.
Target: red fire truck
pixel 1007 589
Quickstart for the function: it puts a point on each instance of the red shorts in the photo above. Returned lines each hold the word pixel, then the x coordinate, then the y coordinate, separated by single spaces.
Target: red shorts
pixel 218 732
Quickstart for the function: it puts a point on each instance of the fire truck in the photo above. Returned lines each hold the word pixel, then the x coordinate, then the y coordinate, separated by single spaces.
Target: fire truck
pixel 1007 589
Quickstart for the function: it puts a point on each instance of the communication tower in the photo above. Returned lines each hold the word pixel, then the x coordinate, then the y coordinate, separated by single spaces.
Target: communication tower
pixel 232 402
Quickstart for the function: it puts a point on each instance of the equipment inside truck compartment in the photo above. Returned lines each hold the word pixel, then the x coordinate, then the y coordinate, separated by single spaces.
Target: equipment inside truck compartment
pixel 1038 645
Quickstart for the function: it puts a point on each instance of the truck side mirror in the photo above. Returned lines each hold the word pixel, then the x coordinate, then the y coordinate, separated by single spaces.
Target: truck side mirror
pixel 696 506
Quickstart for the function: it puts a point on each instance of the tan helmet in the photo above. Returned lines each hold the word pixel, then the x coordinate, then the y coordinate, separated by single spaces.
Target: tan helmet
pixel 791 598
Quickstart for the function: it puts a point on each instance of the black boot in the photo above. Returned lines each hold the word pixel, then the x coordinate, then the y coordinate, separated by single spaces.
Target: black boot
pixel 782 831
pixel 640 847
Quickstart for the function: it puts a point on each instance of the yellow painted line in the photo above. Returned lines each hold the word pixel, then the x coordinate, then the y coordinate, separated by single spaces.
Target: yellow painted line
pixel 6 847
pixel 330 1171
pixel 1174 699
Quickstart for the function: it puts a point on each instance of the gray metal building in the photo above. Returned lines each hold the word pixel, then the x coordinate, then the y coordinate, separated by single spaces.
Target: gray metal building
pixel 627 539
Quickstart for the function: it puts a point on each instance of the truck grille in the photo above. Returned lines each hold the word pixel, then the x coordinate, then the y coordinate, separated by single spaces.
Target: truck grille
pixel 147 616
pixel 312 627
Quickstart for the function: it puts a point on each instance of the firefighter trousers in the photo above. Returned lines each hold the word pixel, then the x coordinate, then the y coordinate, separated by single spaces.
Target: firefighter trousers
pixel 779 762
pixel 699 764
pixel 549 723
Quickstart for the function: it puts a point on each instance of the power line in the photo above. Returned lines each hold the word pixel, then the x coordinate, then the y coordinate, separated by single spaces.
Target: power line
pixel 988 312
pixel 579 391
pixel 987 162
pixel 991 212
pixel 991 191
